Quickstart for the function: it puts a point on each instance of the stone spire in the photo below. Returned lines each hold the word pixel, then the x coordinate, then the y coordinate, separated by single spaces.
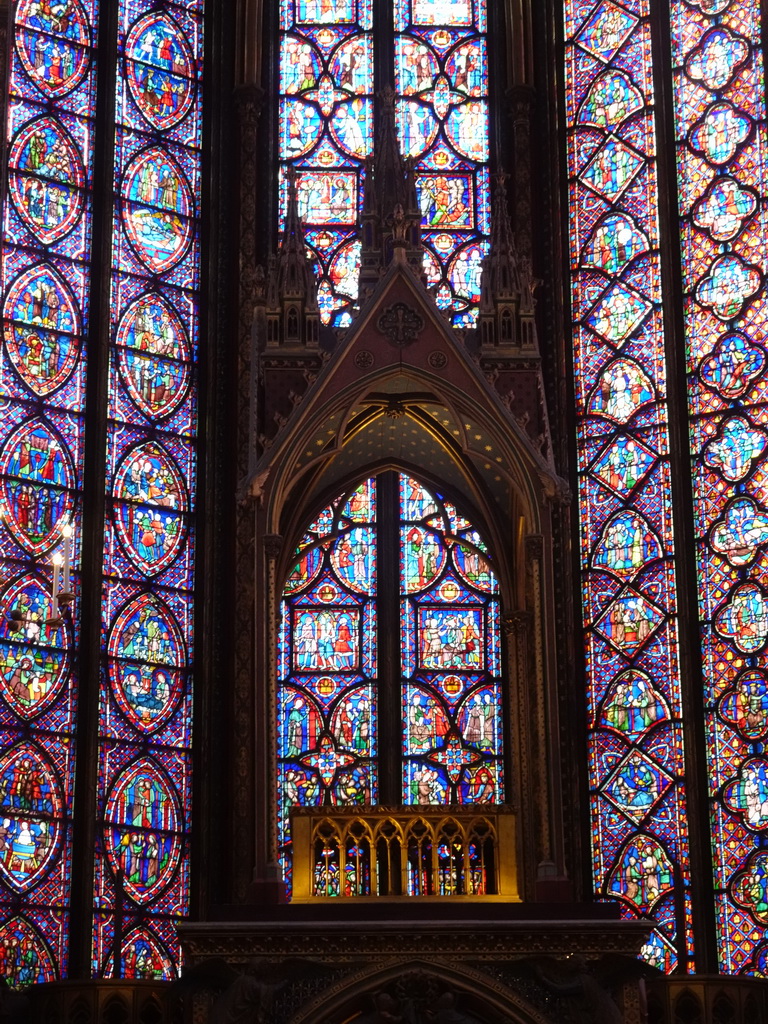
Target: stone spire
pixel 506 298
pixel 391 220
pixel 293 317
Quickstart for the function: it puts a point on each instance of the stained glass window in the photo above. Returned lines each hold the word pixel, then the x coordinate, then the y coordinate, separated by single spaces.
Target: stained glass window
pixel 335 697
pixel 441 79
pixel 145 709
pixel 722 154
pixel 326 132
pixel 439 67
pixel 46 247
pixel 144 768
pixel 638 799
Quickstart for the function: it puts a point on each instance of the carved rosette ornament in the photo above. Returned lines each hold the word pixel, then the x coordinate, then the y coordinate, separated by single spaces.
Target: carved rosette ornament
pixel 400 325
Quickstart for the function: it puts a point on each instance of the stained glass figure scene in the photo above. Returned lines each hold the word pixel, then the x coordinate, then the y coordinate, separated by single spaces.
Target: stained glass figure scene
pixel 154 356
pixel 142 829
pixel 451 689
pixel 721 138
pixel 53 50
pixel 441 81
pixel 639 821
pixel 46 179
pixel 146 659
pixel 331 693
pixel 41 329
pixel 157 209
pixel 36 481
pixel 34 648
pixel 150 502
pixel 160 70
pixel 31 811
pixel 326 133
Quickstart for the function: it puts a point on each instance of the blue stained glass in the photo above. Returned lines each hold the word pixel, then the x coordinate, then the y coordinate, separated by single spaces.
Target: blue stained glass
pixel 441 80
pixel 45 255
pixel 144 784
pixel 326 133
pixel 627 549
pixel 329 700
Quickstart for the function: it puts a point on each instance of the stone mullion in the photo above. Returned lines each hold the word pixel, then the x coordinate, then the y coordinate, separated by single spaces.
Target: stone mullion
pixel 248 101
pixel 517 626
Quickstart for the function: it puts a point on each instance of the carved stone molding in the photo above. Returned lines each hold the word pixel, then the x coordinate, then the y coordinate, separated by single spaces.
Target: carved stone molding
pixel 516 624
pixel 273 545
pixel 400 324
pixel 338 942
pixel 534 547
pixel 520 101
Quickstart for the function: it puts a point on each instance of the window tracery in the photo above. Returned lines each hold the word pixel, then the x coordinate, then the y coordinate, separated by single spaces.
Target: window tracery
pixel 342 606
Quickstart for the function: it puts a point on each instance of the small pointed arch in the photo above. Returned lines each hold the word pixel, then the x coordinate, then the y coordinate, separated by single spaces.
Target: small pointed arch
pixel 477 997
pixel 688 1009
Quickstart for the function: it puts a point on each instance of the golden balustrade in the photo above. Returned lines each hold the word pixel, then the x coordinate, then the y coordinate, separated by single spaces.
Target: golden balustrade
pixel 431 853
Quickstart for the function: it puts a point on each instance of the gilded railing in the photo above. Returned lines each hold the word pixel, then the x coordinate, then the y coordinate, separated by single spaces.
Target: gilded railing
pixel 434 853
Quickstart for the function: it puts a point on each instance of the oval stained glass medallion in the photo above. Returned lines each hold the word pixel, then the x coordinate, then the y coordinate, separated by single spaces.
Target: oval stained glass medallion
pixel 33 962
pixel 146 656
pixel 150 502
pixel 36 482
pixel 142 829
pixel 34 661
pixel 153 356
pixel 53 50
pixel 160 70
pixel 41 327
pixel 46 179
pixel 156 209
pixel 31 807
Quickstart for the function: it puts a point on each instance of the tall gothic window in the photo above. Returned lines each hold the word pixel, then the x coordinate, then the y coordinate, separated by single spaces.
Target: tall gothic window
pixel 434 54
pixel 389 657
pixel 713 324
pixel 68 413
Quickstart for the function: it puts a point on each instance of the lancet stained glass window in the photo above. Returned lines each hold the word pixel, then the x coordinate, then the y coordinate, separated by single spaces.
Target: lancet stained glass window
pixel 46 247
pixel 441 79
pixel 638 797
pixel 145 768
pixel 333 691
pixel 49 279
pixel 722 150
pixel 439 67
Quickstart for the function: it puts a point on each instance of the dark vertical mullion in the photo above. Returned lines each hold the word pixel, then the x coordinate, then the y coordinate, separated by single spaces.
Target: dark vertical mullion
pixel 383 48
pixel 388 626
pixel 88 663
pixel 691 667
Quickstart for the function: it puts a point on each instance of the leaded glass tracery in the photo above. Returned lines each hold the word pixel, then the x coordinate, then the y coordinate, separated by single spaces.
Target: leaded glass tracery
pixel 441 600
pixel 439 66
pixel 638 798
pixel 441 79
pixel 145 771
pixel 48 278
pixel 720 121
pixel 46 247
